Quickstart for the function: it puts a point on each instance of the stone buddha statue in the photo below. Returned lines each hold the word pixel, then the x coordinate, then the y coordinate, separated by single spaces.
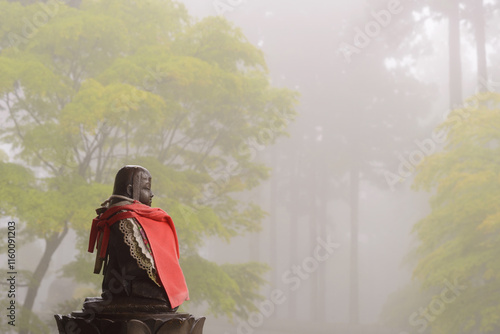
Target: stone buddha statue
pixel 137 247
pixel 138 254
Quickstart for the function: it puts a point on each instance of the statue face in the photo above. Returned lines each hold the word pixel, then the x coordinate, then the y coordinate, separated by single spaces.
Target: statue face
pixel 145 193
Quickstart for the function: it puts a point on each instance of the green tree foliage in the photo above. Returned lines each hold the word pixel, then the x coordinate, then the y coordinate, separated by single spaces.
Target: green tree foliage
pixel 460 238
pixel 86 90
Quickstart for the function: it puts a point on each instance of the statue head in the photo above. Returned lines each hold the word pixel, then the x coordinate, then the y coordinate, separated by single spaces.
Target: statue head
pixel 134 182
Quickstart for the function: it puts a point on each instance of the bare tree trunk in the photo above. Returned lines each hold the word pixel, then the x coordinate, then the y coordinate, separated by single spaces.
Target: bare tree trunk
pixel 273 251
pixel 323 222
pixel 479 30
pixel 314 223
pixel 51 245
pixel 455 74
pixel 294 225
pixel 354 275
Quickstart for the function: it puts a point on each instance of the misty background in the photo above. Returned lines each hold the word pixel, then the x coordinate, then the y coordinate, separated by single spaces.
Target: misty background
pixel 368 106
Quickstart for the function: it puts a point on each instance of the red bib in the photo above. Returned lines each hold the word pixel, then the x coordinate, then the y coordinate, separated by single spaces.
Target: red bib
pixel 160 231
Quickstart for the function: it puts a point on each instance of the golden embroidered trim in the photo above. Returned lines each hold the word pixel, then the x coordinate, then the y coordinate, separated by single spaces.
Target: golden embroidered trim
pixel 131 235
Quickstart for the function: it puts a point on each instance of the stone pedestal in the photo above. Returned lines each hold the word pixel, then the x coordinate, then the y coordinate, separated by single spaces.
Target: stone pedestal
pixel 127 318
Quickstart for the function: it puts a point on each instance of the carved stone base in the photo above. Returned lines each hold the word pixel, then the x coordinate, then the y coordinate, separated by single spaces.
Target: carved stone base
pixel 131 320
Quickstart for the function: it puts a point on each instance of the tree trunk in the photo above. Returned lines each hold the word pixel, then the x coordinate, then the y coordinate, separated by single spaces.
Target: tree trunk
pixel 455 74
pixel 354 275
pixel 294 226
pixel 479 30
pixel 314 233
pixel 52 244
pixel 273 235
pixel 323 222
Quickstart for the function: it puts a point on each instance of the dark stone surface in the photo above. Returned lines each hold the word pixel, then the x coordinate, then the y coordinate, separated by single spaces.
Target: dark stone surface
pixel 127 316
pixel 126 305
pixel 129 323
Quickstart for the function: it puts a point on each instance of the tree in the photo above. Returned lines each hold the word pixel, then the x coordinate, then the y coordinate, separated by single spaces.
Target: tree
pixel 375 123
pixel 89 89
pixel 452 9
pixel 459 238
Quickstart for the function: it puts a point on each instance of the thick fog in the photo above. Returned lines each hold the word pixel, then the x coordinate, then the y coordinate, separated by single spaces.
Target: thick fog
pixel 309 196
pixel 341 235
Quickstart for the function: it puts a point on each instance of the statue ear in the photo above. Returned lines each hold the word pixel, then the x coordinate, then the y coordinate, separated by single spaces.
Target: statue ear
pixel 129 191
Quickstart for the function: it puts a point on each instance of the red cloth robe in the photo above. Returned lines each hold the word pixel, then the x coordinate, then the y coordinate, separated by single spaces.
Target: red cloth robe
pixel 160 231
